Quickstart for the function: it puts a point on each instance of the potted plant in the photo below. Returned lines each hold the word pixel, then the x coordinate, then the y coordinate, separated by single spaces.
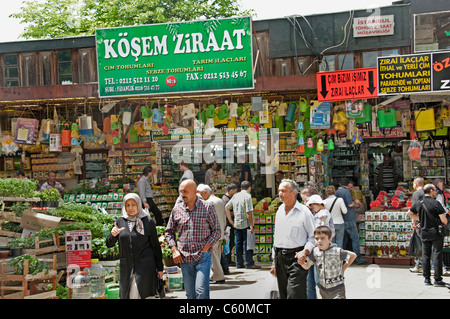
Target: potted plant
pixel 50 197
pixel 16 247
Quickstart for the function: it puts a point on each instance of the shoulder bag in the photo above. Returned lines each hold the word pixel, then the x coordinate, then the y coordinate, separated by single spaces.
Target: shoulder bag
pixel 442 228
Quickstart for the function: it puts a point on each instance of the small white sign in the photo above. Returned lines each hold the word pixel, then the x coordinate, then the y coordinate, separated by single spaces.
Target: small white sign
pixel 373 26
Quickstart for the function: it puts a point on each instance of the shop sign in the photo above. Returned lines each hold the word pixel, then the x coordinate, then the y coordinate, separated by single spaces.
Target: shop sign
pixel 395 132
pixel 78 249
pixel 344 85
pixel 206 55
pixel 373 26
pixel 320 116
pixel 441 71
pixel 418 73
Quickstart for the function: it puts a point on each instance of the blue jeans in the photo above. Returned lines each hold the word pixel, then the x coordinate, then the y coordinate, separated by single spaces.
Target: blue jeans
pixel 338 238
pixel 312 280
pixel 353 235
pixel 196 277
pixel 241 249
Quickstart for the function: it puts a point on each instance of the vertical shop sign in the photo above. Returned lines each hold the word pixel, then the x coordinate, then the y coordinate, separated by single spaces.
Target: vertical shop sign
pixel 207 55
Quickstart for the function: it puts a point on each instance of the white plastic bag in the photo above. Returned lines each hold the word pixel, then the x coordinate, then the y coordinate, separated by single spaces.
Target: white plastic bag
pixel 271 287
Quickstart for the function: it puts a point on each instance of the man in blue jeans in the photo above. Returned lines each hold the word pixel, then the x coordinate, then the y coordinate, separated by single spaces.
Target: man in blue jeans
pixel 198 228
pixel 350 218
pixel 242 207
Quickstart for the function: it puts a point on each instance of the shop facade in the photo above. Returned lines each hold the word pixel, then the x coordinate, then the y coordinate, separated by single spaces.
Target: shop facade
pixel 62 111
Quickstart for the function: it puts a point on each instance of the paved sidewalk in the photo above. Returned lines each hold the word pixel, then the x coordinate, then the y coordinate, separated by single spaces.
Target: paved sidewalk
pixel 362 282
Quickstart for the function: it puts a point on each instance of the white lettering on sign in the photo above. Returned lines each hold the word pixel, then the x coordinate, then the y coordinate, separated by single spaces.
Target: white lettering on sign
pixel 373 26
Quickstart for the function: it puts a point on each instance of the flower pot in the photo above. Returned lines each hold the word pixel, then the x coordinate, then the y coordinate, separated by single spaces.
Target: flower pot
pixel 168 262
pixel 4 254
pixel 16 252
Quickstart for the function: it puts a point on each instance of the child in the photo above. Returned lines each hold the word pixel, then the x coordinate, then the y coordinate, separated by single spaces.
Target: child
pixel 328 259
pixel 322 216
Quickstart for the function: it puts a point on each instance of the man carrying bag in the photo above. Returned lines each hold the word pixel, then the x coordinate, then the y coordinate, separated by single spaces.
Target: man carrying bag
pixel 432 219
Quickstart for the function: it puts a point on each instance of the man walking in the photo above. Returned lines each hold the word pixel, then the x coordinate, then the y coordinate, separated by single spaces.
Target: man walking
pixel 146 194
pixel 430 214
pixel 198 230
pixel 293 237
pixel 207 195
pixel 242 207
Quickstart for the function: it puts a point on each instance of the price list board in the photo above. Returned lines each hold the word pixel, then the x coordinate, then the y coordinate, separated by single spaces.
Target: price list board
pixel 206 55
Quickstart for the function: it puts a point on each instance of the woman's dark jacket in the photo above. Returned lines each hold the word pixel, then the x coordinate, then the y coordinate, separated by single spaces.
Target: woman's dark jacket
pixel 140 254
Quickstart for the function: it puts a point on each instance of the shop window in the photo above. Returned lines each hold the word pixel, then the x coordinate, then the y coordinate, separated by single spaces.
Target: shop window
pixel 87 66
pixel 65 67
pixel 328 63
pixel 390 52
pixel 28 69
pixel 345 61
pixel 11 70
pixel 370 58
pixel 45 68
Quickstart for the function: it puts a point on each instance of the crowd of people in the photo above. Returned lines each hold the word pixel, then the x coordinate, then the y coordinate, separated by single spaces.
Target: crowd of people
pixel 203 229
pixel 309 243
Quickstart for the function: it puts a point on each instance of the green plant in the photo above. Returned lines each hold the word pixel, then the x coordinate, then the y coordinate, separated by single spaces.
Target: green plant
pixel 35 265
pixel 166 252
pixel 62 292
pixel 26 243
pixel 19 207
pixel 51 194
pixel 17 187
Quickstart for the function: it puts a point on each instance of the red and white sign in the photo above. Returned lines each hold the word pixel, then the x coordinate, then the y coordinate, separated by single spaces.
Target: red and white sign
pixel 78 249
pixel 395 132
pixel 345 85
pixel 372 26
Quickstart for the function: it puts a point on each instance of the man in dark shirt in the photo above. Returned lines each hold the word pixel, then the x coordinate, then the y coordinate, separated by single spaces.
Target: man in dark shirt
pixel 431 239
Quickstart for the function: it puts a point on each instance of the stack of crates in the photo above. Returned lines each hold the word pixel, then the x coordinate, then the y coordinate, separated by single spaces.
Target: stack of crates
pixel 264 223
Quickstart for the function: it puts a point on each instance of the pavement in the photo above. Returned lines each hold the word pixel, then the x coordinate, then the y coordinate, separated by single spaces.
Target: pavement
pixel 368 281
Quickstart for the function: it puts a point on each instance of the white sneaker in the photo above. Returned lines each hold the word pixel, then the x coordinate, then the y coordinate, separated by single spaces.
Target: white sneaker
pixel 415 269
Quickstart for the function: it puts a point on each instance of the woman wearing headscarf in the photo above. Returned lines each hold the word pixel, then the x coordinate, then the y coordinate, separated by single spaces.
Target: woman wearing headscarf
pixel 139 250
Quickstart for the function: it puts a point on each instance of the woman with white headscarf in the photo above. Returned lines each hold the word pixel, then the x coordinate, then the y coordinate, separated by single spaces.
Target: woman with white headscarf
pixel 139 250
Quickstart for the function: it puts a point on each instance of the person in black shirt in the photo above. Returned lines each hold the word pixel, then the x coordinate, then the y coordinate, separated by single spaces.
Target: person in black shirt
pixel 432 241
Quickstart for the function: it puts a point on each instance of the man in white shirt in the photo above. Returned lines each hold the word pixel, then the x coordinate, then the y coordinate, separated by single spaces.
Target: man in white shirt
pixel 217 271
pixel 336 207
pixel 210 173
pixel 187 173
pixel 293 238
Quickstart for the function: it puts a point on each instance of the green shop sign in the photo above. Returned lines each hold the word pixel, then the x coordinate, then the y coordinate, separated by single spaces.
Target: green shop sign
pixel 207 55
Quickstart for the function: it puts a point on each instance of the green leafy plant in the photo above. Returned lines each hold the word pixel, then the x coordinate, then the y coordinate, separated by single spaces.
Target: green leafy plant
pixel 35 265
pixel 19 207
pixel 17 187
pixel 51 194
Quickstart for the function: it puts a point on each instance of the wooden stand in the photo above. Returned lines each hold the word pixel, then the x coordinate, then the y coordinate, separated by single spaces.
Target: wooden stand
pixel 25 279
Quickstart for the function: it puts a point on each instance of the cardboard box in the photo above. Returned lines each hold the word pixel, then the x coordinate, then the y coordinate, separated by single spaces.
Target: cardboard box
pixel 37 221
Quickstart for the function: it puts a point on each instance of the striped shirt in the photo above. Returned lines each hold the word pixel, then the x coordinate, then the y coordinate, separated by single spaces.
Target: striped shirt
pixel 388 177
pixel 195 228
